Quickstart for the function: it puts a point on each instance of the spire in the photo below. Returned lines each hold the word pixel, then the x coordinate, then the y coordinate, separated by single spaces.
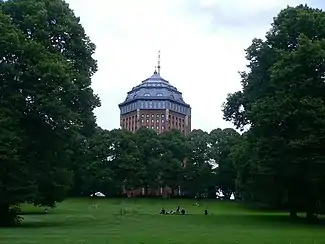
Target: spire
pixel 158 67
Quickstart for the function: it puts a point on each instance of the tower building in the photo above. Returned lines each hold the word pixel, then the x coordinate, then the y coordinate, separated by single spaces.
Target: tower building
pixel 155 104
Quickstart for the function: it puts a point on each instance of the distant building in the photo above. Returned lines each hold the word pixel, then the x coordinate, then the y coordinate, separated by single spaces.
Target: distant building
pixel 155 104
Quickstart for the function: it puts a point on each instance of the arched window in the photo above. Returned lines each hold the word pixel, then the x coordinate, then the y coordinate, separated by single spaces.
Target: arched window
pixel 159 94
pixel 146 95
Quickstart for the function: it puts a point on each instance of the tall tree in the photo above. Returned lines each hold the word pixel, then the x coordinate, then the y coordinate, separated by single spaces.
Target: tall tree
pixel 223 143
pixel 46 98
pixel 149 149
pixel 283 102
pixel 124 159
pixel 198 166
pixel 173 157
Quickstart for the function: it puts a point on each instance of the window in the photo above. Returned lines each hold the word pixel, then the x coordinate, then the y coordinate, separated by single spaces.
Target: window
pixel 157 127
pixel 147 121
pixel 152 115
pixel 157 115
pixel 159 94
pixel 163 116
pixel 147 116
pixel 152 121
pixel 146 95
pixel 157 120
pixel 163 127
pixel 152 127
pixel 162 121
pixel 142 121
pixel 142 115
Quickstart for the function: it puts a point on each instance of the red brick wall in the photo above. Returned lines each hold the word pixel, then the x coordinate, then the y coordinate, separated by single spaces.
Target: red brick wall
pixel 159 120
pixel 165 192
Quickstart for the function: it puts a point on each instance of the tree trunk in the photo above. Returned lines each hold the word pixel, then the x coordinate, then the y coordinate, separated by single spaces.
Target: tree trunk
pixel 226 196
pixel 311 217
pixel 293 214
pixel 8 217
pixel 311 212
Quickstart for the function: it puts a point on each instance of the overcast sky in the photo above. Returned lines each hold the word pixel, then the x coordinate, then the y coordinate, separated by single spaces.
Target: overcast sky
pixel 202 46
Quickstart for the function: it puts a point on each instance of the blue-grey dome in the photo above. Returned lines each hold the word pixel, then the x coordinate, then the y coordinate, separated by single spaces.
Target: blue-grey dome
pixel 154 93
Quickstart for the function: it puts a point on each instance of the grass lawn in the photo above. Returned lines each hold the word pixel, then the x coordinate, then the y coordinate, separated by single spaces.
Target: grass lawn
pixel 79 221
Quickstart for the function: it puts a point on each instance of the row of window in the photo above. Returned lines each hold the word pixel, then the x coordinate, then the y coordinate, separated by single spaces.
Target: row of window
pixel 178 121
pixel 148 94
pixel 157 128
pixel 152 115
pixel 132 125
pixel 155 105
pixel 153 121
pixel 171 117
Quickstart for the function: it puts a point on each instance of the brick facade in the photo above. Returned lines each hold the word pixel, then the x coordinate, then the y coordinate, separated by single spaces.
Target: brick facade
pixel 159 120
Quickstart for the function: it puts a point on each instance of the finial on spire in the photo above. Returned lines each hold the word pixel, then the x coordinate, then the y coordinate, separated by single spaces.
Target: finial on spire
pixel 158 67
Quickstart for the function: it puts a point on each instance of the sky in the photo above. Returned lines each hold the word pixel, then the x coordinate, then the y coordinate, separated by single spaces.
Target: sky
pixel 202 44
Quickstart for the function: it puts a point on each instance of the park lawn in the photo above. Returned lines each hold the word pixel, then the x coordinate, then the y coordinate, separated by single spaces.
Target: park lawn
pixel 100 221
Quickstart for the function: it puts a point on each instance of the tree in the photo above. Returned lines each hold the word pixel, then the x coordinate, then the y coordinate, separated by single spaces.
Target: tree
pixel 46 100
pixel 124 160
pixel 198 166
pixel 149 149
pixel 172 159
pixel 283 102
pixel 93 170
pixel 223 143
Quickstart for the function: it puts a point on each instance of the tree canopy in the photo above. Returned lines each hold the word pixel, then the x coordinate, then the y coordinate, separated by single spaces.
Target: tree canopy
pixel 282 100
pixel 46 100
pixel 120 160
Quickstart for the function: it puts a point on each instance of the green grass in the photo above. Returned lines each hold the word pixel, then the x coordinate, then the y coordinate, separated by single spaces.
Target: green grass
pixel 78 221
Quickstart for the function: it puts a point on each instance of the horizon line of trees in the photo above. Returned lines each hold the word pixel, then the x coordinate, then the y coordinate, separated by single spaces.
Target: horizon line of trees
pixel 51 147
pixel 198 163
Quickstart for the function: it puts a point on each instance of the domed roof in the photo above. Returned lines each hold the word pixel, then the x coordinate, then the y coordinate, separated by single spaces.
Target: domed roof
pixel 154 88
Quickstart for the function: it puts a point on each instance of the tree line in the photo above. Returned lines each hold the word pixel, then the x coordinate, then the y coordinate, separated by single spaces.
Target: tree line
pixel 198 164
pixel 51 147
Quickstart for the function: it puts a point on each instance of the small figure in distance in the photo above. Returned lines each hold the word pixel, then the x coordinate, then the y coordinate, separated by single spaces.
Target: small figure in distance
pixel 163 211
pixel 177 210
pixel 183 212
pixel 206 212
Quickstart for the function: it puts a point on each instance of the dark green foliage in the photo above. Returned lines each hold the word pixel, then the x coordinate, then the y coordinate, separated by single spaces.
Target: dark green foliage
pixel 46 100
pixel 223 143
pixel 283 102
pixel 123 160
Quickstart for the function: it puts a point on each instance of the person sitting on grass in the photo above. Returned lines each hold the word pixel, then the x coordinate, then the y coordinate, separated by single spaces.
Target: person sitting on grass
pixel 206 212
pixel 163 211
pixel 183 212
pixel 177 210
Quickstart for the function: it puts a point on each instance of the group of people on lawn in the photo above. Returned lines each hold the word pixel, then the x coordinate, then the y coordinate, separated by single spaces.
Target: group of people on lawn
pixel 178 211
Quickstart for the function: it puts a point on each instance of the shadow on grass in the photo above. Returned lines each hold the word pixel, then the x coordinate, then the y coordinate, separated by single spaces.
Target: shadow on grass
pixel 69 222
pixel 257 220
pixel 26 213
